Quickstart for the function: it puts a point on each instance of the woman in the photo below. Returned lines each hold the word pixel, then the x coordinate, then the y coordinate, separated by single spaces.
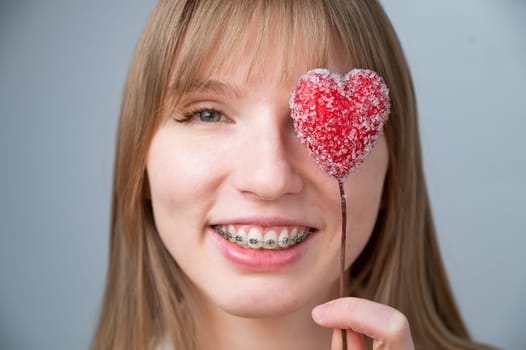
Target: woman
pixel 206 153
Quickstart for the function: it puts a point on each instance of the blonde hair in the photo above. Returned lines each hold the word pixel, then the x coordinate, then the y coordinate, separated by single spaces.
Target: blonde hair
pixel 147 297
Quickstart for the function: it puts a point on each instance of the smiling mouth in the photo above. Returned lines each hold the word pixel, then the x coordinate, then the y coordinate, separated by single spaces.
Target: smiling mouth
pixel 271 239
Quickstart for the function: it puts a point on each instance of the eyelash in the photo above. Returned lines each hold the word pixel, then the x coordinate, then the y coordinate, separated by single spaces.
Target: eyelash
pixel 196 115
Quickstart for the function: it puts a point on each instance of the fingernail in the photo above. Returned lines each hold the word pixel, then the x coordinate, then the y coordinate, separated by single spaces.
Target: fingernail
pixel 318 313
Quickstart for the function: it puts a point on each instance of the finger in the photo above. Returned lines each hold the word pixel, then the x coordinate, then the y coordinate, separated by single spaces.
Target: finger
pixel 377 321
pixel 355 341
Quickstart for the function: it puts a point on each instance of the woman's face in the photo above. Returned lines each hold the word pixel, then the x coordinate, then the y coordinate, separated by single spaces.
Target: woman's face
pixel 232 188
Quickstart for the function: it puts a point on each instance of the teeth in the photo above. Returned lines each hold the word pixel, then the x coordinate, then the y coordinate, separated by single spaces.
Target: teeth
pixel 293 236
pixel 283 240
pixel 256 239
pixel 270 240
pixel 241 237
pixel 231 229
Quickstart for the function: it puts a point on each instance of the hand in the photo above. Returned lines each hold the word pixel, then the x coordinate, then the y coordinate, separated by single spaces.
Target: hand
pixel 387 327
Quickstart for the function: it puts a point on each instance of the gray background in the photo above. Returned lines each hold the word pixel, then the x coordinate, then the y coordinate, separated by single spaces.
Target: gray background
pixel 62 67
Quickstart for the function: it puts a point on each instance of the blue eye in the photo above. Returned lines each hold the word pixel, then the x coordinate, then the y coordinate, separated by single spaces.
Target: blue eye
pixel 209 115
pixel 205 115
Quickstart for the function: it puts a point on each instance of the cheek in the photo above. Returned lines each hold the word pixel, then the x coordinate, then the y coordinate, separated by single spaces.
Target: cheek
pixel 184 177
pixel 362 213
pixel 181 173
pixel 363 193
pixel 364 188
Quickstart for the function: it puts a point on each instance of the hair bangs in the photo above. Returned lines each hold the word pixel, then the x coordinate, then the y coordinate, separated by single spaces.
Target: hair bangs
pixel 290 31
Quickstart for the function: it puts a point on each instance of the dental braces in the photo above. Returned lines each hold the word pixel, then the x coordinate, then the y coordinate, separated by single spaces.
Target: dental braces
pixel 300 237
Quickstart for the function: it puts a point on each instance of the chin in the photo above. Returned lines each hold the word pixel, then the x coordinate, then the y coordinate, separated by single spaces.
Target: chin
pixel 264 298
pixel 261 309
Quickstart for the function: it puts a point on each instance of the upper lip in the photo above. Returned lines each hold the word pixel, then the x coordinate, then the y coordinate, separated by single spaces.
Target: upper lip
pixel 265 221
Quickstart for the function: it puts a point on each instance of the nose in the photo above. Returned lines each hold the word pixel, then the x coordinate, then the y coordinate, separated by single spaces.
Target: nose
pixel 265 169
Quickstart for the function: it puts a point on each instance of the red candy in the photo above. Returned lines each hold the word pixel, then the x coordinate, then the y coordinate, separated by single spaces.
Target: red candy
pixel 339 118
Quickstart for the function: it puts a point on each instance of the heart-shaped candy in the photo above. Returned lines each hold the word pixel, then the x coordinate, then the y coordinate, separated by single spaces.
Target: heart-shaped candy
pixel 339 118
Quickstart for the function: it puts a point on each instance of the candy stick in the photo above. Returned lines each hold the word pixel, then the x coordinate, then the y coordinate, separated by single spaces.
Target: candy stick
pixel 339 118
pixel 342 252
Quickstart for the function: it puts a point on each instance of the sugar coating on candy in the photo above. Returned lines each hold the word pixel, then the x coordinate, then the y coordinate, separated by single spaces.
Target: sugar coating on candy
pixel 339 118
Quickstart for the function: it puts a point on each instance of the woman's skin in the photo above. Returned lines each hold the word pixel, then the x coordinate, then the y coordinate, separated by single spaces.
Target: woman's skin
pixel 237 161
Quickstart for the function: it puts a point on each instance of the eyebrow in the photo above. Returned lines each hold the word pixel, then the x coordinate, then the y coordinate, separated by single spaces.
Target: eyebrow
pixel 210 86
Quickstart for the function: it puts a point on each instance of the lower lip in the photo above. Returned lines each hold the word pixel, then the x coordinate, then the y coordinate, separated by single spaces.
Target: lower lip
pixel 260 259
